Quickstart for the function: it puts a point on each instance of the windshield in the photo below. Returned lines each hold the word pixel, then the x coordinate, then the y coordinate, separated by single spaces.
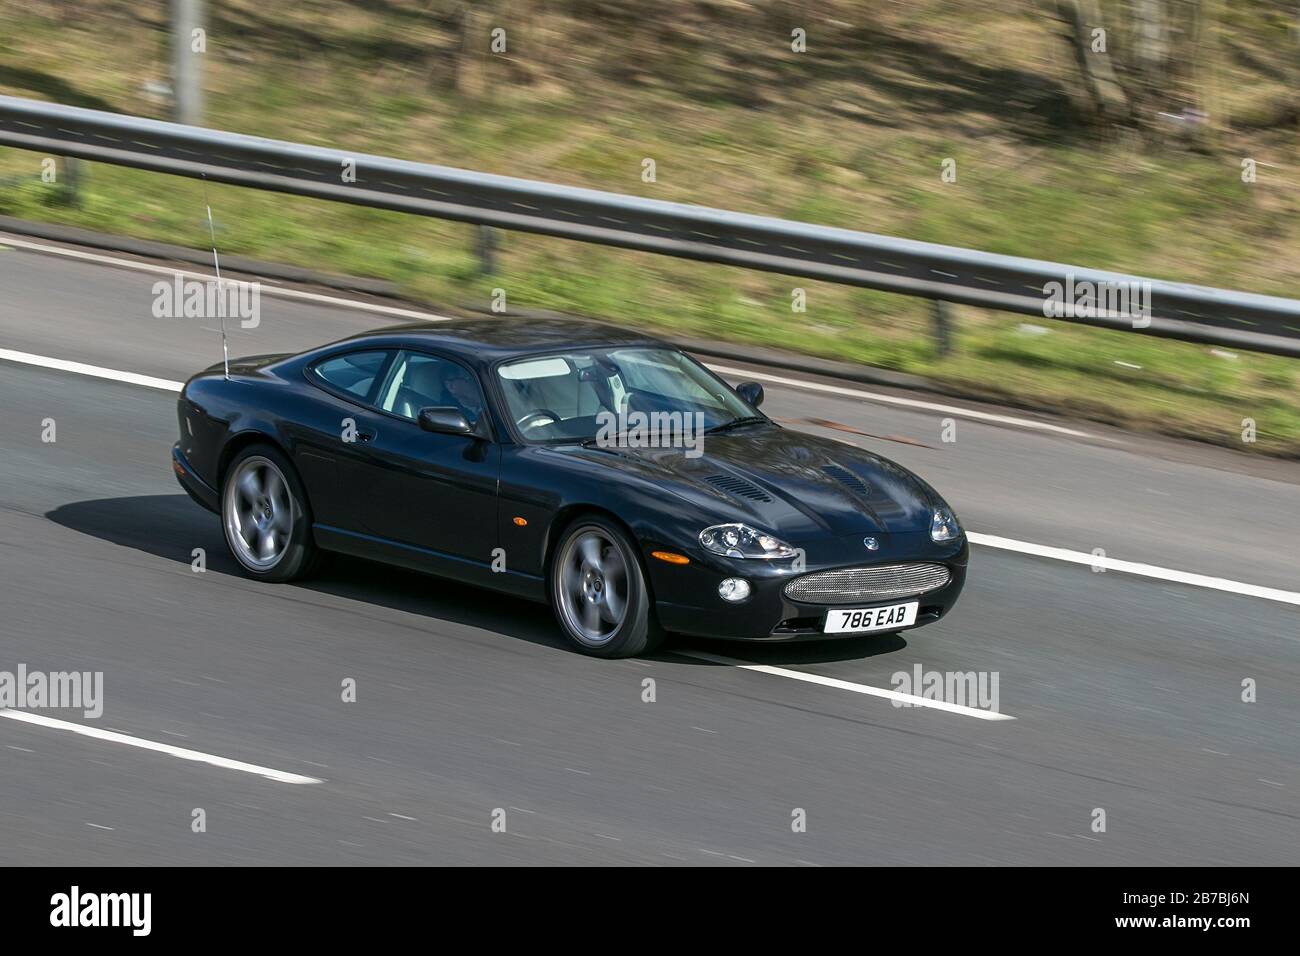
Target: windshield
pixel 574 396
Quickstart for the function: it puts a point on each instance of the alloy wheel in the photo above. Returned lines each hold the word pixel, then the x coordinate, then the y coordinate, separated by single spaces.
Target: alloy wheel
pixel 593 586
pixel 259 513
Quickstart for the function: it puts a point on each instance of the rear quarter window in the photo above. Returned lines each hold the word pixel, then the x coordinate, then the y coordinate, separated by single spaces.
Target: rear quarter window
pixel 353 373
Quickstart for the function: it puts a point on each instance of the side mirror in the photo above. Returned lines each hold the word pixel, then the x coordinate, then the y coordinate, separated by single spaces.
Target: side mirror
pixel 751 392
pixel 444 420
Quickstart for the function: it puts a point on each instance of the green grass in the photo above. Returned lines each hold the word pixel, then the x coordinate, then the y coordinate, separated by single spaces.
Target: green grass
pixel 850 136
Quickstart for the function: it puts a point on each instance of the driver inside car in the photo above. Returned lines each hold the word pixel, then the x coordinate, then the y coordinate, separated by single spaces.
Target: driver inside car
pixel 465 393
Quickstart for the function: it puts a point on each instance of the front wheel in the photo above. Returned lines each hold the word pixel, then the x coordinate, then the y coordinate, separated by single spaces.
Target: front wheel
pixel 265 516
pixel 599 591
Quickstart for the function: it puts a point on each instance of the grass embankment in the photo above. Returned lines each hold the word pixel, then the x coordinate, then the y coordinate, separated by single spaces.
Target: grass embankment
pixel 850 133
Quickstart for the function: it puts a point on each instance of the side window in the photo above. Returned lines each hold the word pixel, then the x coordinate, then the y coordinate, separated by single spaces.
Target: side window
pixel 418 381
pixel 353 373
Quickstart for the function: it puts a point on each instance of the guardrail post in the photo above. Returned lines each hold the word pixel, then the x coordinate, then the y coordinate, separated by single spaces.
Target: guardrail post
pixel 941 325
pixel 487 247
pixel 71 192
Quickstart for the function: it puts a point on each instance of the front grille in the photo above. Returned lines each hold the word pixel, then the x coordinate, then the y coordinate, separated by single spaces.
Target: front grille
pixel 861 584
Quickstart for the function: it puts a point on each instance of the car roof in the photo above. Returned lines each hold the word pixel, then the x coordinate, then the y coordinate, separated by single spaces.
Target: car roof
pixel 491 339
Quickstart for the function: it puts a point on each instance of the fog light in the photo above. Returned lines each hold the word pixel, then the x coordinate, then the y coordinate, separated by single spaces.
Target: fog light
pixel 733 589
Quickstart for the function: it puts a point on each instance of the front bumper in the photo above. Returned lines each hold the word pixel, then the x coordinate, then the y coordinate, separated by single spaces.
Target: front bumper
pixel 687 599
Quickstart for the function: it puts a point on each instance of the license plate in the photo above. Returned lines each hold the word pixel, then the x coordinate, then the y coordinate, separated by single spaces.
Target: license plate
pixel 871 618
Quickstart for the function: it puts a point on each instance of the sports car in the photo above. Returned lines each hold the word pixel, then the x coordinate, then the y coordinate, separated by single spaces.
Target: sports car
pixel 599 470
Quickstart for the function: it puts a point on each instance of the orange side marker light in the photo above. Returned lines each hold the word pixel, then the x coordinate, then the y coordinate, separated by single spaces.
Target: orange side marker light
pixel 670 557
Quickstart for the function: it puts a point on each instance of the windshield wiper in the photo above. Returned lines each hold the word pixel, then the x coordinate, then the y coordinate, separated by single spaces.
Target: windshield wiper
pixel 736 423
pixel 607 441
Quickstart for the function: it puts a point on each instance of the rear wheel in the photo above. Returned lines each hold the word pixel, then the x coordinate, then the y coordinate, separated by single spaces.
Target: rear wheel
pixel 265 516
pixel 599 592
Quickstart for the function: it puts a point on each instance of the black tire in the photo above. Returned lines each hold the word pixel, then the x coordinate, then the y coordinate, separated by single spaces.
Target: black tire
pixel 295 558
pixel 636 631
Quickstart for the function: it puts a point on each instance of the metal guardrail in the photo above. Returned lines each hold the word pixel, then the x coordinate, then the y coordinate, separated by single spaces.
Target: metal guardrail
pixel 1193 313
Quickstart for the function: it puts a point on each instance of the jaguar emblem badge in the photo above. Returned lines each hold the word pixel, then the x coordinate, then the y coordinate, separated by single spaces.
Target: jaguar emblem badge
pixel 871 544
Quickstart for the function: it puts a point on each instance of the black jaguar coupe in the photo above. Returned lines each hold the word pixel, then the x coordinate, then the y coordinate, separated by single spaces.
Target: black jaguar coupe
pixel 591 467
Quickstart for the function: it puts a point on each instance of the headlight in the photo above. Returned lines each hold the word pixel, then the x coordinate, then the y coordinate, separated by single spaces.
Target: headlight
pixel 742 541
pixel 944 526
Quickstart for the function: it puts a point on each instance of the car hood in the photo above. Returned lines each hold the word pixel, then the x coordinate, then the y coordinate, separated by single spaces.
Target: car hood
pixel 796 485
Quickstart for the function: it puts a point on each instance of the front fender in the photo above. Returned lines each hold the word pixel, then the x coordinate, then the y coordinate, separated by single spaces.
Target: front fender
pixel 544 489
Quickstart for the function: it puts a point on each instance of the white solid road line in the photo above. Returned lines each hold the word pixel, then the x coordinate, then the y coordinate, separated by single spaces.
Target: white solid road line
pixel 985 540
pixel 265 288
pixel 1133 567
pixel 896 400
pixel 81 368
pixel 894 695
pixel 40 720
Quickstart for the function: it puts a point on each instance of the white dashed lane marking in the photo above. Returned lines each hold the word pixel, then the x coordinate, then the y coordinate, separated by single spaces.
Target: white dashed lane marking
pixel 112 736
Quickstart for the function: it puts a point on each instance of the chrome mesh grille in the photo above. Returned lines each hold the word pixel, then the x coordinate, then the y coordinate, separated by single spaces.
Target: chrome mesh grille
pixel 858 584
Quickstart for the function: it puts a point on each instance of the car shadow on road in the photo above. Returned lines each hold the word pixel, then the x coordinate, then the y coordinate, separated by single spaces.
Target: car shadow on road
pixel 172 527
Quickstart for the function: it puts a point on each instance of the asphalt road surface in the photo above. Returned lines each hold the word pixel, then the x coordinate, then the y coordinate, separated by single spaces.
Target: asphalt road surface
pixel 1126 689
